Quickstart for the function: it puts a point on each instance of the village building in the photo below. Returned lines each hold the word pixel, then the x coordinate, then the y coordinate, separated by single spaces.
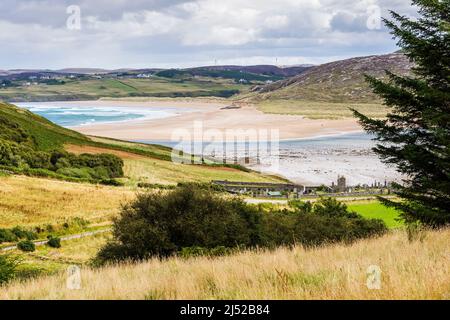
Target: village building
pixel 259 189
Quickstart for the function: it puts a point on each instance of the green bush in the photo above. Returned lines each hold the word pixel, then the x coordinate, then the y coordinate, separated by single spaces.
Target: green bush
pixel 8 266
pixel 24 234
pixel 111 182
pixel 82 173
pixel 18 150
pixel 146 185
pixel 6 235
pixel 26 246
pixel 15 234
pixel 161 224
pixel 54 242
pixel 195 220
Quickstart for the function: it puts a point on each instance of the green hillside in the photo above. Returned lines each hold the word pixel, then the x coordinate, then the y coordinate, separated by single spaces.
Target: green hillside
pixel 45 135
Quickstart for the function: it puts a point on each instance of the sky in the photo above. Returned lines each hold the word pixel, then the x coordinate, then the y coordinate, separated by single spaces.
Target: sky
pixel 111 34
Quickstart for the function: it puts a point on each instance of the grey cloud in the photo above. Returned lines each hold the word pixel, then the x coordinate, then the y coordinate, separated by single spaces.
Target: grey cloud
pixel 159 32
pixel 53 12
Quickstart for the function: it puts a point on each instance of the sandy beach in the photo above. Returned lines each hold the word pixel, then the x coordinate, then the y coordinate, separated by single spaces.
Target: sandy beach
pixel 213 114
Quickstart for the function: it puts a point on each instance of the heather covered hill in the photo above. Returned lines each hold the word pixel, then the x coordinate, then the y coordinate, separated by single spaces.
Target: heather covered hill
pixel 339 81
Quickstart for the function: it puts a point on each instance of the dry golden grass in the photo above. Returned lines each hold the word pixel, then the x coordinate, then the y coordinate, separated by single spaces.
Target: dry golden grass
pixel 29 201
pixel 418 270
pixel 46 260
pixel 78 251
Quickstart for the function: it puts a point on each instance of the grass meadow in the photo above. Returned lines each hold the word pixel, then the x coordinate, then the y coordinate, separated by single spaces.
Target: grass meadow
pixel 49 261
pixel 409 270
pixel 320 110
pixel 29 201
pixel 376 210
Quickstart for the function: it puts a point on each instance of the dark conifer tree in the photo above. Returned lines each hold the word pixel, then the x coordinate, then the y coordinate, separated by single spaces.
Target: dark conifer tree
pixel 415 135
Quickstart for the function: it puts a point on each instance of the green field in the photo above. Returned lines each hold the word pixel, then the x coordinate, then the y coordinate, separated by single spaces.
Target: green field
pixel 320 110
pixel 84 89
pixel 375 210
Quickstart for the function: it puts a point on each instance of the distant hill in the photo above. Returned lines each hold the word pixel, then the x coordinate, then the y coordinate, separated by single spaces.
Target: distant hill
pixel 83 71
pixel 259 70
pixel 268 70
pixel 261 73
pixel 339 81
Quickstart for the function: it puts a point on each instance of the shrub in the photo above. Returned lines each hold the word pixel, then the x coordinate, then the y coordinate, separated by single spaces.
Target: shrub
pixel 82 173
pixel 26 246
pixel 8 266
pixel 24 234
pixel 54 242
pixel 162 223
pixel 147 185
pixel 25 157
pixel 7 235
pixel 111 182
pixel 196 220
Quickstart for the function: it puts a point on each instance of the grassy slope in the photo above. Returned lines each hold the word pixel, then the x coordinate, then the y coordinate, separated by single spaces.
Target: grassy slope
pixel 417 270
pixel 47 135
pixel 48 261
pixel 29 201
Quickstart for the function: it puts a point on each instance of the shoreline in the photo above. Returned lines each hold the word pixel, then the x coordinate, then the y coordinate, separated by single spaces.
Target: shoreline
pixel 213 115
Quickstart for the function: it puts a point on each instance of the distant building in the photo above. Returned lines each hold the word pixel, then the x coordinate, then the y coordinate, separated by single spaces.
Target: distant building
pixel 260 189
pixel 143 75
pixel 341 184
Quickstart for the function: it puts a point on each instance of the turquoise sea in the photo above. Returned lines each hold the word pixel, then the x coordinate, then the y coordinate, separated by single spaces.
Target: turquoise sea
pixel 77 115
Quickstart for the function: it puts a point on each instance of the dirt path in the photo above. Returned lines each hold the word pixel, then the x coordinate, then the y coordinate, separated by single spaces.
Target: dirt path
pixel 65 238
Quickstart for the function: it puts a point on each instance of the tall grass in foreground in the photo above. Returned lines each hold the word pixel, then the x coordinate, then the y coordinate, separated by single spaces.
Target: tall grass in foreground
pixel 410 270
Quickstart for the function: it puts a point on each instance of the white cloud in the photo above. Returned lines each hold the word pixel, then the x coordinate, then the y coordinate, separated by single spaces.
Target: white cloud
pixel 276 22
pixel 154 32
pixel 135 24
